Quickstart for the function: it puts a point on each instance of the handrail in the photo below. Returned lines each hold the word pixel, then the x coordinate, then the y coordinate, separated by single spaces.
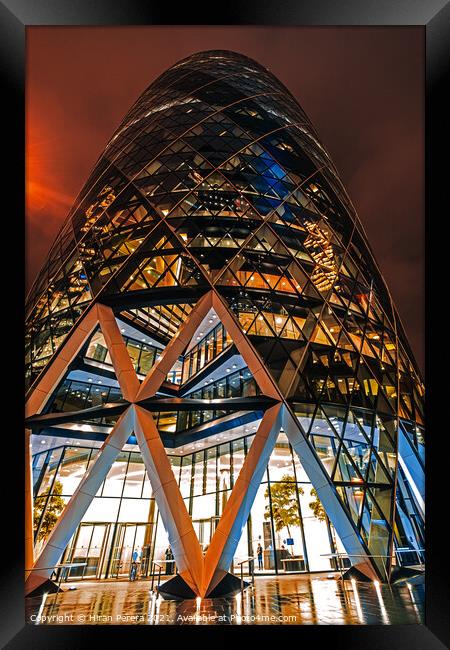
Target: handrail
pixel 159 564
pixel 64 565
pixel 58 566
pixel 251 568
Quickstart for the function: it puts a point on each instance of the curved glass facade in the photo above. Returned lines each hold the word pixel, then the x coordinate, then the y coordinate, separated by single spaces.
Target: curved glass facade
pixel 216 181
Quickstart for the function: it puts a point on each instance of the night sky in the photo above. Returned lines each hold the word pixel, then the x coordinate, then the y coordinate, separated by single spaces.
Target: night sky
pixel 361 87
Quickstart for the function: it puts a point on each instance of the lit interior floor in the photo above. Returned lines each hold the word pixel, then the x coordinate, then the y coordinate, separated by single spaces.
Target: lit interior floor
pixel 295 599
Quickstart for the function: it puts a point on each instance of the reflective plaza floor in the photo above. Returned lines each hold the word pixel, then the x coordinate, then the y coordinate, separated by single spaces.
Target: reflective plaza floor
pixel 291 599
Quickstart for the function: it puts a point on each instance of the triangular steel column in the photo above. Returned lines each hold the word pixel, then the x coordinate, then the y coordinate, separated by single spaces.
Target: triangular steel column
pixel 237 510
pixel 80 502
pixel 201 575
pixel 172 508
pixel 92 480
pixel 306 453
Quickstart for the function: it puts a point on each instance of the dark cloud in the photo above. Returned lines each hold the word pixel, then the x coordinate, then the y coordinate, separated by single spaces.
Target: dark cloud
pixel 361 87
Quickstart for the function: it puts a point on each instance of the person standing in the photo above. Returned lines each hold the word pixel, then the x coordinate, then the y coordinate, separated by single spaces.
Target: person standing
pixel 259 553
pixel 169 561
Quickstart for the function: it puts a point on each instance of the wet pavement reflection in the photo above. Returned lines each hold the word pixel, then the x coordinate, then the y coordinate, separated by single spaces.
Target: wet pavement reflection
pixel 292 600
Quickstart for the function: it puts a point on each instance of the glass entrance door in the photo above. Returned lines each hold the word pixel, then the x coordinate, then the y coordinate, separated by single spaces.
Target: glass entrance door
pixel 131 537
pixel 88 549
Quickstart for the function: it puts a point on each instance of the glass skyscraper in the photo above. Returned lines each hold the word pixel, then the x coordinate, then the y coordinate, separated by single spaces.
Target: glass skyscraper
pixel 214 361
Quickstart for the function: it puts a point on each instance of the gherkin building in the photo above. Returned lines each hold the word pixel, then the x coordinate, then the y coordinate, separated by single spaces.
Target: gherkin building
pixel 216 370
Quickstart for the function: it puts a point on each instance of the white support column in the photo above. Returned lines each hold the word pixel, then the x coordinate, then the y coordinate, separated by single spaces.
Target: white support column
pixel 80 501
pixel 311 463
pixel 326 492
pixel 229 530
pixel 171 505
pixel 120 357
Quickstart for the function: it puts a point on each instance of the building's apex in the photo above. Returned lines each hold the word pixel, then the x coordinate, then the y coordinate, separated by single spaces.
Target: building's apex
pixel 211 55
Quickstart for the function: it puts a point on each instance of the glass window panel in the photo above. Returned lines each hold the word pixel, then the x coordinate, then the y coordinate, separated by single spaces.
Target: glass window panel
pixel 38 462
pixel 50 471
pixel 76 396
pixel 175 463
pixel 299 470
pixel 234 386
pixel 224 467
pixel 185 476
pixel 135 476
pixel 146 360
pixel 262 532
pixel 116 475
pixel 326 450
pixel 219 340
pixel 286 522
pixel 134 510
pixel 280 463
pixel 72 468
pixel 134 350
pixel 211 482
pixel 198 472
pixel 203 517
pixel 238 457
pixel 316 532
pixel 102 510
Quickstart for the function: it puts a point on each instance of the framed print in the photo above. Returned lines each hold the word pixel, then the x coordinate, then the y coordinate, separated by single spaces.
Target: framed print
pixel 225 352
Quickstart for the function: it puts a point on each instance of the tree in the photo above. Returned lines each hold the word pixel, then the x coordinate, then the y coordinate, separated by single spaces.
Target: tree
pixel 317 507
pixel 54 508
pixel 284 504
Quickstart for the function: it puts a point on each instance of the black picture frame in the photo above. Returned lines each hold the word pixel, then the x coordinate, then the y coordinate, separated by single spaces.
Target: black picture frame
pixel 434 17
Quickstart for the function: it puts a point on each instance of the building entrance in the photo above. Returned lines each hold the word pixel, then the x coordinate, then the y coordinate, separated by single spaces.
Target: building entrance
pixel 130 537
pixel 88 547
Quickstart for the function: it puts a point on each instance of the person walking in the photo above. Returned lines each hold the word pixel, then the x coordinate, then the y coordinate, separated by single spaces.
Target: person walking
pixel 134 561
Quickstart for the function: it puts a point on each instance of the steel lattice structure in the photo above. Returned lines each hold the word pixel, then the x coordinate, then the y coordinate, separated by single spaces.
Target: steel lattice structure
pixel 215 196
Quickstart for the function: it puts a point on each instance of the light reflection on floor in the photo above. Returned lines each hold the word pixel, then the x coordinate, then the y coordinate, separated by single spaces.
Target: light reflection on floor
pixel 293 600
